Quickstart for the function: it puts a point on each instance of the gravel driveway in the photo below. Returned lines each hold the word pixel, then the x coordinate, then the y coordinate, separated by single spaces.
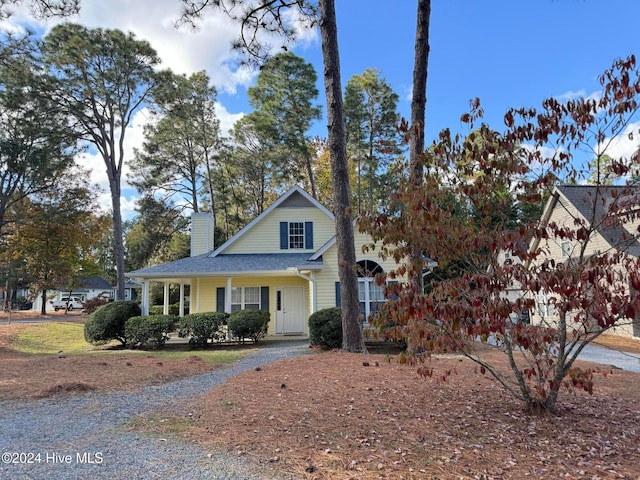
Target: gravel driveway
pixel 84 437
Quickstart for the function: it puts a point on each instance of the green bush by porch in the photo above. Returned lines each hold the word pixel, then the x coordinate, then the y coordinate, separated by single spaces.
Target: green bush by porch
pixel 325 328
pixel 107 322
pixel 174 309
pixel 250 324
pixel 152 331
pixel 203 327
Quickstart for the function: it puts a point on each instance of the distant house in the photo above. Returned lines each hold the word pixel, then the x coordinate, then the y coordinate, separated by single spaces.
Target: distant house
pixel 284 261
pixel 614 210
pixel 87 289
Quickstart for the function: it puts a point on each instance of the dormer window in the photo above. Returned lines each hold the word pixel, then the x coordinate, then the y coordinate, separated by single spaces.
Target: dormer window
pixel 296 235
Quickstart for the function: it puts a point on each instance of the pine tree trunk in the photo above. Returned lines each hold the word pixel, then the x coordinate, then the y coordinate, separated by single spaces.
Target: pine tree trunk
pixel 118 242
pixel 352 339
pixel 418 107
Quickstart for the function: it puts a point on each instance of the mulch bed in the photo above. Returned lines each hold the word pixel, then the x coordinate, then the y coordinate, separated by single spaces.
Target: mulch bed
pixel 328 416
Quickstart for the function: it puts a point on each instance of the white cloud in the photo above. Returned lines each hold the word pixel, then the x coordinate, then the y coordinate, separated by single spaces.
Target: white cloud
pixel 184 50
pixel 571 95
pixel 227 119
pixel 622 146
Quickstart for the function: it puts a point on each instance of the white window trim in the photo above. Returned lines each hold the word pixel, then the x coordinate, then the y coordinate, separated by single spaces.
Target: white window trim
pixel 365 283
pixel 243 298
pixel 297 235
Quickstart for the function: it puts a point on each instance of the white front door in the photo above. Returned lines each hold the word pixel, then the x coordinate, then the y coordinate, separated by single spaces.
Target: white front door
pixel 289 310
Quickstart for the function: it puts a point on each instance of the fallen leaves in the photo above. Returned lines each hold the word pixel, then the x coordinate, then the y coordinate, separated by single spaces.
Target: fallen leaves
pixel 338 421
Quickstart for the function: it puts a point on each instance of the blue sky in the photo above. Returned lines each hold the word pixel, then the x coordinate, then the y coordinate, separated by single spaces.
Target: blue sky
pixel 509 53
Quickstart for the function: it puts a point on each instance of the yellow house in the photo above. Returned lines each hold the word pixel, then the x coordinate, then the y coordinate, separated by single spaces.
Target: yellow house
pixel 285 261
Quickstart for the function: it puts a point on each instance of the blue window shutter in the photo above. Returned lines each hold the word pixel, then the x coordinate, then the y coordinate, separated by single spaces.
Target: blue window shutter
pixel 220 299
pixel 338 303
pixel 284 235
pixel 308 234
pixel 264 298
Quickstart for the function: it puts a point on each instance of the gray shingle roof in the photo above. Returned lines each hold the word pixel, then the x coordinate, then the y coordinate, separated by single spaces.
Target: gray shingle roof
pixel 205 265
pixel 607 206
pixel 96 283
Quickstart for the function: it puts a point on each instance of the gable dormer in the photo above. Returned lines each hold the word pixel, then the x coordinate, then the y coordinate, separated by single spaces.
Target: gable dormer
pixel 295 223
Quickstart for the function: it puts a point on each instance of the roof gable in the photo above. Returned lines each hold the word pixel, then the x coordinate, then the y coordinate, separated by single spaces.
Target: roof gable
pixel 603 204
pixel 294 198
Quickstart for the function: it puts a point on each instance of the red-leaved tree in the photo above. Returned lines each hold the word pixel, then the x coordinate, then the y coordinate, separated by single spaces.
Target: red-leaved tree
pixel 574 270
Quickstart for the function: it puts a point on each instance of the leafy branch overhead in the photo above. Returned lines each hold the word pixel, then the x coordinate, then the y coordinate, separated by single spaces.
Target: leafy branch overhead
pixel 261 23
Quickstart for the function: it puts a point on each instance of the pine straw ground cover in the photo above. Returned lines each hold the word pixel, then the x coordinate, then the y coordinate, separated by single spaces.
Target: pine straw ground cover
pixel 328 416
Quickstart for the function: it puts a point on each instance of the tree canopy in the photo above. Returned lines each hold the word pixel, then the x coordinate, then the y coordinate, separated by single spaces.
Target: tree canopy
pixel 103 79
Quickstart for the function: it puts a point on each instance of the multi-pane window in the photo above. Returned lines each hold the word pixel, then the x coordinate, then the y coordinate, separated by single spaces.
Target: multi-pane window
pixel 296 234
pixel 245 298
pixel 370 296
pixel 545 307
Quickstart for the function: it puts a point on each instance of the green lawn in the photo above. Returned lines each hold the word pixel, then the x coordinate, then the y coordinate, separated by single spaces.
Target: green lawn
pixel 51 337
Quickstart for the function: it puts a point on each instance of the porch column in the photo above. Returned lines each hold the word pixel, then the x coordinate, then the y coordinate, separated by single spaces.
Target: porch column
pixel 165 304
pixel 144 307
pixel 197 309
pixel 314 293
pixel 227 296
pixel 181 310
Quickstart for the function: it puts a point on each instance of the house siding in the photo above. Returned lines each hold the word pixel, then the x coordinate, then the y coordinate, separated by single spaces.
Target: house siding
pixel 265 235
pixel 207 294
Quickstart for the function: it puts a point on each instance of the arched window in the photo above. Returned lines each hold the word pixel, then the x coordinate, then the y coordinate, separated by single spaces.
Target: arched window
pixel 370 295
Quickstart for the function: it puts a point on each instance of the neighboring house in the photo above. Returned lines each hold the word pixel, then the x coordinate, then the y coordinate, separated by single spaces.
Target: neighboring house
pixel 87 289
pixel 284 261
pixel 614 209
pixel 131 290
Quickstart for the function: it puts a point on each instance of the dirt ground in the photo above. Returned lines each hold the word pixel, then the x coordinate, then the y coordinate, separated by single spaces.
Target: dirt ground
pixel 33 376
pixel 334 415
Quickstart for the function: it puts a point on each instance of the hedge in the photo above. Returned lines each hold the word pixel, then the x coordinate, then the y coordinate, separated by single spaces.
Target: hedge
pixel 174 309
pixel 250 324
pixel 325 328
pixel 202 327
pixel 107 322
pixel 149 331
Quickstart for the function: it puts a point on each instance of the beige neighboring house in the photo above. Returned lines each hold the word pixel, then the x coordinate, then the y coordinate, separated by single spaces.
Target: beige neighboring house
pixel 613 208
pixel 285 261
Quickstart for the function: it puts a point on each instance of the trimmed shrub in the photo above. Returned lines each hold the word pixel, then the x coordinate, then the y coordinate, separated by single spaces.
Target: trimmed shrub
pixel 174 309
pixel 202 327
pixel 325 328
pixel 93 304
pixel 107 322
pixel 251 324
pixel 152 331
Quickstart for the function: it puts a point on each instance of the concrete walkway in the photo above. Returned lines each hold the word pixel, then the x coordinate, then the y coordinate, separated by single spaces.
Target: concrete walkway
pixel 607 356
